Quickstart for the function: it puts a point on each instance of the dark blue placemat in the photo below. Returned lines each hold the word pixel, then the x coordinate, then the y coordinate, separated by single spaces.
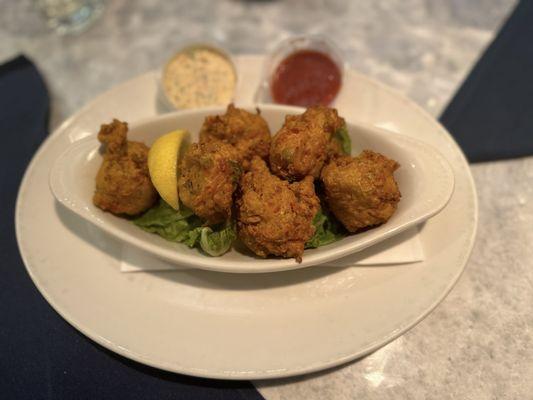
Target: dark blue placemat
pixel 491 115
pixel 41 355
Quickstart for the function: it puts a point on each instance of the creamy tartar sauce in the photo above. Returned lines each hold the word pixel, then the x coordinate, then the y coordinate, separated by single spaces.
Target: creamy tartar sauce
pixel 199 77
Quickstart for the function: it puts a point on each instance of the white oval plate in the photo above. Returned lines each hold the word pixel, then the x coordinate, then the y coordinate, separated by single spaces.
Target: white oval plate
pixel 425 180
pixel 239 326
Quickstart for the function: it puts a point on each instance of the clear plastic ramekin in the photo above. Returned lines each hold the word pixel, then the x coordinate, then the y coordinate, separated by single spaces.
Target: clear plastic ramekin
pixel 289 46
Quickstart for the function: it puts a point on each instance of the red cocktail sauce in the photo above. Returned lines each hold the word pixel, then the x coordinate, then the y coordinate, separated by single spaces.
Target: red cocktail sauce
pixel 306 78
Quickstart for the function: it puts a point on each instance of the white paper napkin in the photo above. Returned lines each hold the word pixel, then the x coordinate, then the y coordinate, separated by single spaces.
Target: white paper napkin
pixel 401 249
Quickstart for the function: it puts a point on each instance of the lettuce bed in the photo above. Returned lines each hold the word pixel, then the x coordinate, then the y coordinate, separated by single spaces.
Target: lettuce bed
pixel 184 227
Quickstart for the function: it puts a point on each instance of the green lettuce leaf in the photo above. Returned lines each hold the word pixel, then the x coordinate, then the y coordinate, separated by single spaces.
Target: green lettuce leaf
pixel 342 136
pixel 185 227
pixel 170 224
pixel 327 230
pixel 217 242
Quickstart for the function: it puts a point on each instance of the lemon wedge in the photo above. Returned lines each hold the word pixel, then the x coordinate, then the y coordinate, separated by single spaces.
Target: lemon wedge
pixel 163 165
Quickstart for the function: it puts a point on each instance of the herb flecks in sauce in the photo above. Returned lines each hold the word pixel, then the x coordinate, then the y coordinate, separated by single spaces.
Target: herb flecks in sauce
pixel 199 77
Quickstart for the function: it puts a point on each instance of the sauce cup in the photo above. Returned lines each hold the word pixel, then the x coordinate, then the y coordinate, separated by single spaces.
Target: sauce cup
pixel 203 90
pixel 292 45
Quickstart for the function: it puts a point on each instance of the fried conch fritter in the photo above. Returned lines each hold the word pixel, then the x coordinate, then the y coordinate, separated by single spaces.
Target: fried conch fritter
pixel 208 177
pixel 274 216
pixel 247 132
pixel 123 184
pixel 361 191
pixel 301 146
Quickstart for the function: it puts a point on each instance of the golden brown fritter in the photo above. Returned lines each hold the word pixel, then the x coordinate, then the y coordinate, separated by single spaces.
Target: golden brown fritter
pixel 273 216
pixel 208 177
pixel 334 148
pixel 300 147
pixel 361 191
pixel 123 185
pixel 247 132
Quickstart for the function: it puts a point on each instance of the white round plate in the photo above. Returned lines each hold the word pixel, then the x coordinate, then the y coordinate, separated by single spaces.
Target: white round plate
pixel 229 326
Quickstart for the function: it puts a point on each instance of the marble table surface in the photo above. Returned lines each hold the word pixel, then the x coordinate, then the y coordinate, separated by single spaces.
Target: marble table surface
pixel 478 344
